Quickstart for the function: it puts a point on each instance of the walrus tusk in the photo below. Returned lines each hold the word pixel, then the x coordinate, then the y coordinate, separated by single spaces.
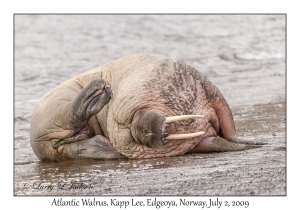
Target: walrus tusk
pixel 182 117
pixel 185 136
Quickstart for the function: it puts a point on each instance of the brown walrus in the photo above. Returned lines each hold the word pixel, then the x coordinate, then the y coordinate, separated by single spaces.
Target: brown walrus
pixel 139 106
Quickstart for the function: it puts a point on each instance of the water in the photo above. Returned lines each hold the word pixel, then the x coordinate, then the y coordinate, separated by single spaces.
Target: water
pixel 244 55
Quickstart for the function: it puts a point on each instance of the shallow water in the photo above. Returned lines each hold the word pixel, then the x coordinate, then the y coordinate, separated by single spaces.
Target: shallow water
pixel 242 55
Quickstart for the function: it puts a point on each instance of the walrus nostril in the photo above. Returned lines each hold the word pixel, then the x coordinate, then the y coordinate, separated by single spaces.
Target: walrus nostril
pixel 165 134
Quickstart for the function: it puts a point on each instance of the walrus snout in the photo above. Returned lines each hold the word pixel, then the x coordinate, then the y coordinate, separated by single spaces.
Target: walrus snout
pixel 147 128
pixel 151 128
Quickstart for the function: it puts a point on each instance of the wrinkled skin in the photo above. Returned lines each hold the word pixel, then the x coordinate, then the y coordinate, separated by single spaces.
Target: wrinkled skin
pixel 119 110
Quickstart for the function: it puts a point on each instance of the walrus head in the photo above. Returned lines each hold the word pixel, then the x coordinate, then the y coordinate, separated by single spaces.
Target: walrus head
pixel 150 128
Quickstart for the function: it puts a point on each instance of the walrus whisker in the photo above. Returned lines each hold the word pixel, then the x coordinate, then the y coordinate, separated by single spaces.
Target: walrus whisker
pixel 184 136
pixel 182 117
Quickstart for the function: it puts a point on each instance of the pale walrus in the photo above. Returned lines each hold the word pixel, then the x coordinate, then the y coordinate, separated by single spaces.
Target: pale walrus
pixel 134 107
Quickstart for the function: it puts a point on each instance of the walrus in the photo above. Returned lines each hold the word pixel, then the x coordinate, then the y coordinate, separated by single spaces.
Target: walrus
pixel 139 106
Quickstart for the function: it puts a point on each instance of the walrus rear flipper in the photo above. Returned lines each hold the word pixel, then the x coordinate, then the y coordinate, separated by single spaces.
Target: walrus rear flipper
pixel 97 147
pixel 221 108
pixel 218 144
pixel 224 114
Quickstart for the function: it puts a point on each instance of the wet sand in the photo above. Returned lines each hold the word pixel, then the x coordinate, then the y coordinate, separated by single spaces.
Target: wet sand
pixel 244 56
pixel 253 172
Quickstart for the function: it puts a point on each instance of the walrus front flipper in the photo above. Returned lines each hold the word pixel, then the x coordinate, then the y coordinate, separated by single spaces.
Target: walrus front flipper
pixel 88 102
pixel 218 144
pixel 97 147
